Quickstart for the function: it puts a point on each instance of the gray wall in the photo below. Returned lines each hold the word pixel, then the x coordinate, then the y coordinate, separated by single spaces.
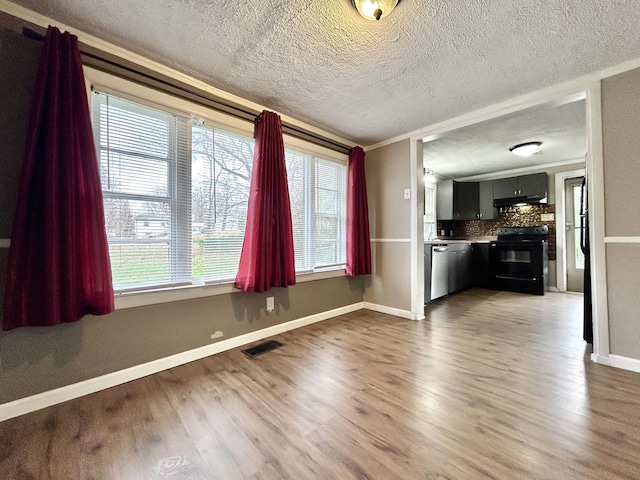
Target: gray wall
pixel 621 142
pixel 36 359
pixel 388 174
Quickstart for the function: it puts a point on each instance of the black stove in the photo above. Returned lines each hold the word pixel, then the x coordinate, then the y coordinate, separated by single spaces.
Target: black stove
pixel 518 260
pixel 536 233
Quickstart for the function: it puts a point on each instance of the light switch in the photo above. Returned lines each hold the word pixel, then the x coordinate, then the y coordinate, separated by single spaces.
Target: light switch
pixel 407 193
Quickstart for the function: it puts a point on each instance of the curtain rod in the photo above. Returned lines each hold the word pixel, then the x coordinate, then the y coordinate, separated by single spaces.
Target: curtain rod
pixel 106 62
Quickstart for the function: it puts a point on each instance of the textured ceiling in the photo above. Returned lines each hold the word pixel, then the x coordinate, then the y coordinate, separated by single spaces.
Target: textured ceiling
pixel 484 147
pixel 320 62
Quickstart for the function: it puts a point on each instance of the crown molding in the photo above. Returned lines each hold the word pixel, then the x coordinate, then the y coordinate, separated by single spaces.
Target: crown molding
pixel 44 21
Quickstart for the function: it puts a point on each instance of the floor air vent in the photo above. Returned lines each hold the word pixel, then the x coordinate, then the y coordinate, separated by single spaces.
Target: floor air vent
pixel 262 348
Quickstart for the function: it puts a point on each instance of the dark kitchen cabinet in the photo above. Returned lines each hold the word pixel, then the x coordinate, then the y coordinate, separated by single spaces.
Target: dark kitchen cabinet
pixel 522 186
pixel 485 203
pixel 505 187
pixel 465 200
pixel 535 184
pixel 466 265
pixel 453 269
pixel 460 267
pixel 480 264
pixel 457 200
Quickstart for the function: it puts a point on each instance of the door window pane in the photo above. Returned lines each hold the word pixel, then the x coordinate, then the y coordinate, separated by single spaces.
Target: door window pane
pixel 579 256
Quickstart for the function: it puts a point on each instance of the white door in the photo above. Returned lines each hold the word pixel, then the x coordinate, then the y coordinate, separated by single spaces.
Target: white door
pixel 575 257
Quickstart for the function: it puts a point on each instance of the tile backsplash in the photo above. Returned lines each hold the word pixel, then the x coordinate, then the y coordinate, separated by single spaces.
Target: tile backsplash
pixel 528 215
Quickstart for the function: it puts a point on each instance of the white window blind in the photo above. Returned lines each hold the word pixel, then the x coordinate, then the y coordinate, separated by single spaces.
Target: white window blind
pixel 145 185
pixel 176 196
pixel 429 211
pixel 317 189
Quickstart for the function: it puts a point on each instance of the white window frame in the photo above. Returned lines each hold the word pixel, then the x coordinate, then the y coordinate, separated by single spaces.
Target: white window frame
pixel 129 90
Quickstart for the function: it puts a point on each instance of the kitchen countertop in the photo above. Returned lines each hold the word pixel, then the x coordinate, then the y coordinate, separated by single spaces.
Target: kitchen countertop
pixel 447 241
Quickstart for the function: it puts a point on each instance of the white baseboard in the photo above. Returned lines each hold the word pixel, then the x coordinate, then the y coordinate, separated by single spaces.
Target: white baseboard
pixel 626 363
pixel 389 310
pixel 602 360
pixel 69 392
pixel 618 361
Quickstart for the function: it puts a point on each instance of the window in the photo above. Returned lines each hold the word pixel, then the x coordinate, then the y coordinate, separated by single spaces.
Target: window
pixel 317 189
pixel 139 150
pixel 577 227
pixel 176 194
pixel 429 211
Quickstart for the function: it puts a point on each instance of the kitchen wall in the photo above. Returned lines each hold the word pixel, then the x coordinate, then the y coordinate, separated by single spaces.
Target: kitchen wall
pixel 510 217
pixel 388 174
pixel 621 144
pixel 516 216
pixel 37 359
pixel 529 215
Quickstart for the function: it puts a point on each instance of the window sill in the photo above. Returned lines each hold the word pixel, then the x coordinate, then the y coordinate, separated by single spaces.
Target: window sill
pixel 186 292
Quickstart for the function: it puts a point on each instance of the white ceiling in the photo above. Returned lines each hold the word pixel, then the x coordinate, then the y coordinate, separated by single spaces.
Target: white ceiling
pixel 483 148
pixel 320 62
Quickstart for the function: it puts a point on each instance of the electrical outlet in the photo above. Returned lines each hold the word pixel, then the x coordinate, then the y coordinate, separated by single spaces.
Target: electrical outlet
pixel 407 193
pixel 270 305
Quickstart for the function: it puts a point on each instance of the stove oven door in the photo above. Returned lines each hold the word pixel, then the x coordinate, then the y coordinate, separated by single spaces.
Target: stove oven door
pixel 517 266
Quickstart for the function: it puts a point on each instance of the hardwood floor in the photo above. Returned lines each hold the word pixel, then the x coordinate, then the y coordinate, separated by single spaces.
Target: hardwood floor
pixel 490 385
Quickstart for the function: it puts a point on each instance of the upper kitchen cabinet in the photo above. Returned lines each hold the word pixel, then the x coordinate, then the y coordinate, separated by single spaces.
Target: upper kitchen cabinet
pixel 457 200
pixel 486 208
pixel 505 187
pixel 533 186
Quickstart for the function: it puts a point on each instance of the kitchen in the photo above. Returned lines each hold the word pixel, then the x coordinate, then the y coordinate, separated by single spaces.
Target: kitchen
pixel 481 198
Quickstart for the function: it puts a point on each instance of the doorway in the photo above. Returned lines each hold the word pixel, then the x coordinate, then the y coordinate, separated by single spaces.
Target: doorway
pixel 573 229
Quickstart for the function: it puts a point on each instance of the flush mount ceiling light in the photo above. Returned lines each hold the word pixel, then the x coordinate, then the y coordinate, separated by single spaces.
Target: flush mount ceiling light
pixel 374 9
pixel 526 149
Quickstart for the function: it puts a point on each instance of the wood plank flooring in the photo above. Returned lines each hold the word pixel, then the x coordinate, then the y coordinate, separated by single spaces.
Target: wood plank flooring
pixel 490 385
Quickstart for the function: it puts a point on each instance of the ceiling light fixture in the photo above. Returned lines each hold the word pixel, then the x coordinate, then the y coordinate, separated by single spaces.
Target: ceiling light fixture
pixel 374 9
pixel 526 149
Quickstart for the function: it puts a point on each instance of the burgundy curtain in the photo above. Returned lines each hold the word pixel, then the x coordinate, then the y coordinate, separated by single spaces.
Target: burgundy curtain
pixel 59 266
pixel 358 241
pixel 267 252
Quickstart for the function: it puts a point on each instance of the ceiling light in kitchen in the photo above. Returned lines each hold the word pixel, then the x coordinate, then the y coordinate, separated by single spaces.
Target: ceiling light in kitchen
pixel 526 149
pixel 374 9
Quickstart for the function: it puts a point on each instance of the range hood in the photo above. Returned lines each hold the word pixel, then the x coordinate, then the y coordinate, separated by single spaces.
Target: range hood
pixel 522 200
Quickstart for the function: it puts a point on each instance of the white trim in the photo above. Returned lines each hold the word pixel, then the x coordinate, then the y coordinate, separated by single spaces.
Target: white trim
pixel 416 220
pixel 5 242
pixel 621 239
pixel 595 187
pixel 391 240
pixel 396 312
pixel 559 94
pixel 518 171
pixel 86 387
pixel 561 236
pixel 142 298
pixel 44 21
pixel 553 289
pixel 601 360
pixel 626 363
pixel 618 361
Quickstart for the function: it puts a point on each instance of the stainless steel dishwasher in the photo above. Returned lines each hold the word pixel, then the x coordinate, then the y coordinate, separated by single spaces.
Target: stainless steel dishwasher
pixel 439 271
